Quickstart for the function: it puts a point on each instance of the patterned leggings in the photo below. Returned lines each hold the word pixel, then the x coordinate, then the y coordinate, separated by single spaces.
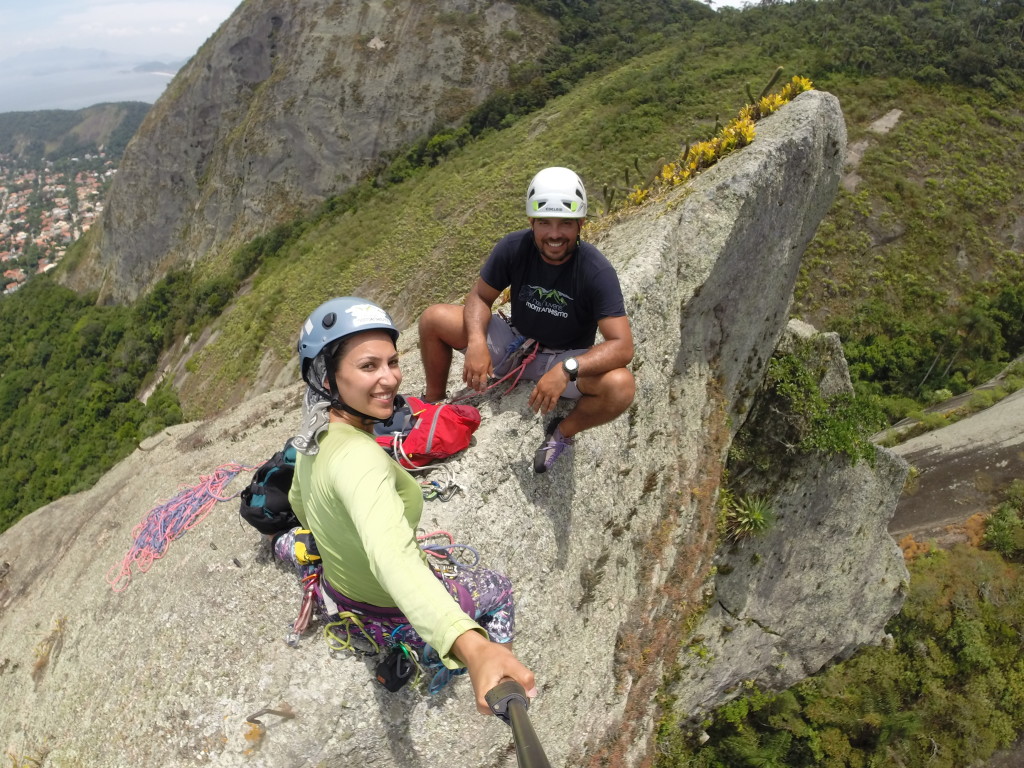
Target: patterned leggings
pixel 484 595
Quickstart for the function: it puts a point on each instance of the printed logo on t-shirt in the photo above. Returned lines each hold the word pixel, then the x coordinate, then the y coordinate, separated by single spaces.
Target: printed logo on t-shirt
pixel 548 301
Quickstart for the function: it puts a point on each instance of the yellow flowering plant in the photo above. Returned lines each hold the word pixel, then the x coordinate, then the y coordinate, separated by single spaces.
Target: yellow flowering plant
pixel 736 135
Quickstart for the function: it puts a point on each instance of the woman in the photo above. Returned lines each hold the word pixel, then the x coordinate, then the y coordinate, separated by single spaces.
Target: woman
pixel 363 508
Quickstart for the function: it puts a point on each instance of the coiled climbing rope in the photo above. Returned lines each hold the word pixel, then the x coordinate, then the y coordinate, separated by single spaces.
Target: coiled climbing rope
pixel 169 521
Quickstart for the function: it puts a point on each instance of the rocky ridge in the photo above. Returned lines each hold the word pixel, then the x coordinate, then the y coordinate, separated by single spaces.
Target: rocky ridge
pixel 611 552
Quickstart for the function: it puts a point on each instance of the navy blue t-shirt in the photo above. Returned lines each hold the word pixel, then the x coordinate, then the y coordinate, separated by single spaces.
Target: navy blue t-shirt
pixel 559 306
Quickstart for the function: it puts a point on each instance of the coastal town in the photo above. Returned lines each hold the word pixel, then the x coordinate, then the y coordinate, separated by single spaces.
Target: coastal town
pixel 44 209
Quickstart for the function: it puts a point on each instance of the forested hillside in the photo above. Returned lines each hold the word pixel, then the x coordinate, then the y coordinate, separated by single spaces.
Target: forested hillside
pixel 57 134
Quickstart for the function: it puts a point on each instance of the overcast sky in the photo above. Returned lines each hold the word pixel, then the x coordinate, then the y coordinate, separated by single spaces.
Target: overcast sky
pixel 148 28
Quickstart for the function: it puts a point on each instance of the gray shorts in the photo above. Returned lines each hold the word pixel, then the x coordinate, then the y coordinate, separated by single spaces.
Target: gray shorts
pixel 501 338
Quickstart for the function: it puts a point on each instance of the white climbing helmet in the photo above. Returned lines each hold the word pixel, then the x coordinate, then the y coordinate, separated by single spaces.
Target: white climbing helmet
pixel 556 193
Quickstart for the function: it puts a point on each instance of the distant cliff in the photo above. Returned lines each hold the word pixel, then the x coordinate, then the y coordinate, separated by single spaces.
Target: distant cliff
pixel 611 553
pixel 285 105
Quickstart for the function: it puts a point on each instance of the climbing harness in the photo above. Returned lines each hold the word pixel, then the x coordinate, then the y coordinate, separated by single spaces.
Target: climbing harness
pixel 520 353
pixel 447 556
pixel 171 520
pixel 353 627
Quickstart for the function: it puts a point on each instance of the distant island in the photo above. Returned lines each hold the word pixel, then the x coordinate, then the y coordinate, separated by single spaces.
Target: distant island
pixel 159 67
pixel 74 78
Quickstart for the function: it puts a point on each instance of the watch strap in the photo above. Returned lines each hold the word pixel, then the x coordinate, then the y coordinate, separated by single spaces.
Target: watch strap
pixel 571 372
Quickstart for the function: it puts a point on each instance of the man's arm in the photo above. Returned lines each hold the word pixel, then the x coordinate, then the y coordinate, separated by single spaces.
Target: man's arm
pixel 479 300
pixel 478 367
pixel 616 351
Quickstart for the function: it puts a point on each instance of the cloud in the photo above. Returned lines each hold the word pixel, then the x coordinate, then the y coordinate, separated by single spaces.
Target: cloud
pixel 131 27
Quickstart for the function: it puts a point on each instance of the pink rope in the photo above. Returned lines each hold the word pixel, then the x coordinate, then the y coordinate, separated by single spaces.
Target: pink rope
pixel 169 521
pixel 518 371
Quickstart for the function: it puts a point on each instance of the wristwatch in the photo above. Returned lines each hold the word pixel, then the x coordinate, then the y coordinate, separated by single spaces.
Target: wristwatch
pixel 572 367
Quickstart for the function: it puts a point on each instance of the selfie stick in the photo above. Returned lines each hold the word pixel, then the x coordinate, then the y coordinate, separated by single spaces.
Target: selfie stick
pixel 509 702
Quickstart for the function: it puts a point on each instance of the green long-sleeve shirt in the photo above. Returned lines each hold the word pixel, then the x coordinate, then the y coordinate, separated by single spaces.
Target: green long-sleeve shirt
pixel 363 510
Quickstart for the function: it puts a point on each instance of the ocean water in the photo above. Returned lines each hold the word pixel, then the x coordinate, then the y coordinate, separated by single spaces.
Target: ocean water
pixel 75 89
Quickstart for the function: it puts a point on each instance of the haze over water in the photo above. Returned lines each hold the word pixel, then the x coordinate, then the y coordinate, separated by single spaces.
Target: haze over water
pixel 71 54
pixel 79 89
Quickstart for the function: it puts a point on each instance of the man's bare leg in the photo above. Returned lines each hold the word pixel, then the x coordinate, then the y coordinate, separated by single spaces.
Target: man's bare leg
pixel 604 398
pixel 442 329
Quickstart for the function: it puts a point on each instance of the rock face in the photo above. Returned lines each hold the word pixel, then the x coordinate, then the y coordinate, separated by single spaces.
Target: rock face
pixel 285 105
pixel 610 552
pixel 962 468
pixel 778 596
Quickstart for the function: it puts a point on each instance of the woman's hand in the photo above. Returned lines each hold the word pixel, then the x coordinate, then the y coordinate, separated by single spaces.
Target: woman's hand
pixel 488 664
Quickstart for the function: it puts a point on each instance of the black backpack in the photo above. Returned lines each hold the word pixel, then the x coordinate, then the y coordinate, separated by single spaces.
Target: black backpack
pixel 265 501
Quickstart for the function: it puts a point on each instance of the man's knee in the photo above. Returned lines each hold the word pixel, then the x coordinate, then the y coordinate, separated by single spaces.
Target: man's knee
pixel 621 387
pixel 615 389
pixel 430 319
pixel 443 322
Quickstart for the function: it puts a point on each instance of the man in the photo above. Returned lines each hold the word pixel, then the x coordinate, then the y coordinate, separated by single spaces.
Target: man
pixel 562 292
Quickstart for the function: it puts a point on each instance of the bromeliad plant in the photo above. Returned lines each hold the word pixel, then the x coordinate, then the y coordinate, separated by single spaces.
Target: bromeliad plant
pixel 744 516
pixel 737 134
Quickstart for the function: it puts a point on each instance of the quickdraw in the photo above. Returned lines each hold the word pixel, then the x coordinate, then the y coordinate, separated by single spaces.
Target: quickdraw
pixel 448 551
pixel 310 590
pixel 442 490
pixel 432 490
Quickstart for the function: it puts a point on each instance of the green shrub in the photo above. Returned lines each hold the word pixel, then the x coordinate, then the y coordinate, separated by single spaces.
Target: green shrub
pixel 1013 382
pixel 985 398
pixel 895 408
pixel 1014 495
pixel 841 424
pixel 931 420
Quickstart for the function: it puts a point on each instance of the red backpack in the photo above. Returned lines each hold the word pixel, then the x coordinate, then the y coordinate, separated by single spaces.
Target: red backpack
pixel 420 433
